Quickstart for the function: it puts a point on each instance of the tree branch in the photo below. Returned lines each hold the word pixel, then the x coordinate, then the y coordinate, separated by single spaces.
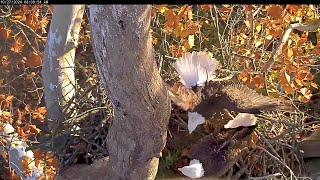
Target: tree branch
pixel 284 39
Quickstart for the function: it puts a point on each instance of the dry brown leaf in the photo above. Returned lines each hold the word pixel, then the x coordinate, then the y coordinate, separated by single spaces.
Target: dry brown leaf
pixel 275 11
pixel 34 59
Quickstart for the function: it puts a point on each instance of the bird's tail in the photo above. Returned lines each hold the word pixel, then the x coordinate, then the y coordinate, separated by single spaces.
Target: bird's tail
pixel 196 68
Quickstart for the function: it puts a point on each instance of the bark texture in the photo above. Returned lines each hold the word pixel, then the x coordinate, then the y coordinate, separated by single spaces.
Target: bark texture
pixel 125 60
pixel 58 64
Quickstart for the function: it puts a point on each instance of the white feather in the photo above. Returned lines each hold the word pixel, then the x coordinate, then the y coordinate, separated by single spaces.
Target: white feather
pixel 196 68
pixel 194 119
pixel 242 119
pixel 194 170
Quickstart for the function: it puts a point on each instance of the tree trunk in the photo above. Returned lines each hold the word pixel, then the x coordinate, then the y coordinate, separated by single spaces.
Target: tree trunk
pixel 125 60
pixel 58 65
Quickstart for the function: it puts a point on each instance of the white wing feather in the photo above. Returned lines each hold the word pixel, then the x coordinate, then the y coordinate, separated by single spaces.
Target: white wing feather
pixel 194 119
pixel 194 170
pixel 242 119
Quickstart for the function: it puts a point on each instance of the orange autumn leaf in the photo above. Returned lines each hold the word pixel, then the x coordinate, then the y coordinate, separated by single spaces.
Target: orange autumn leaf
pixel 13 176
pixel 293 8
pixel 249 7
pixel 171 18
pixel 306 94
pixel 276 32
pixel 275 11
pixel 33 21
pixel 34 59
pixel 226 8
pixel 20 117
pixel 17 45
pixel 177 51
pixel 186 44
pixel 284 79
pixel 314 85
pixel 19 17
pixel 254 138
pixel 31 129
pixel 6 101
pixel 26 162
pixel 3 142
pixel 51 159
pixel 44 24
pixel 5 33
pixel 50 172
pixel 206 6
pixel 39 113
pixel 53 162
pixel 5 156
pixel 5 61
pixel 37 153
pixel 291 67
pixel 302 40
pixel 245 76
pixel 258 82
pixel 20 132
pixel 303 99
pixel 27 108
pixel 154 40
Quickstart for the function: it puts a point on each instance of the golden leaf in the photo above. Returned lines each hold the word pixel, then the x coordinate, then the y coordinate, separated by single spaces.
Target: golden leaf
pixel 191 40
pixel 289 53
pixel 161 8
pixel 258 28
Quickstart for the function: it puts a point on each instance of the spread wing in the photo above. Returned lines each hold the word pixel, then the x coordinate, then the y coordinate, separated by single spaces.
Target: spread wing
pixel 249 100
pixel 234 97
pixel 183 97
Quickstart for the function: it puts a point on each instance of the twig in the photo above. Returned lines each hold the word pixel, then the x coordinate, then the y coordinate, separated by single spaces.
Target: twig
pixel 284 39
pixel 31 31
pixel 242 56
pixel 277 159
pixel 218 31
pixel 222 79
pixel 257 11
pixel 266 177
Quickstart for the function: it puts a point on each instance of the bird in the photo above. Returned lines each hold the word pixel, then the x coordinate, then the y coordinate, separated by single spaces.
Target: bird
pixel 217 153
pixel 200 93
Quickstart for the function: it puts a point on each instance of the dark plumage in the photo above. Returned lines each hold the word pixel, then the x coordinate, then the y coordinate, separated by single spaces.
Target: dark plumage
pixel 219 153
pixel 213 97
